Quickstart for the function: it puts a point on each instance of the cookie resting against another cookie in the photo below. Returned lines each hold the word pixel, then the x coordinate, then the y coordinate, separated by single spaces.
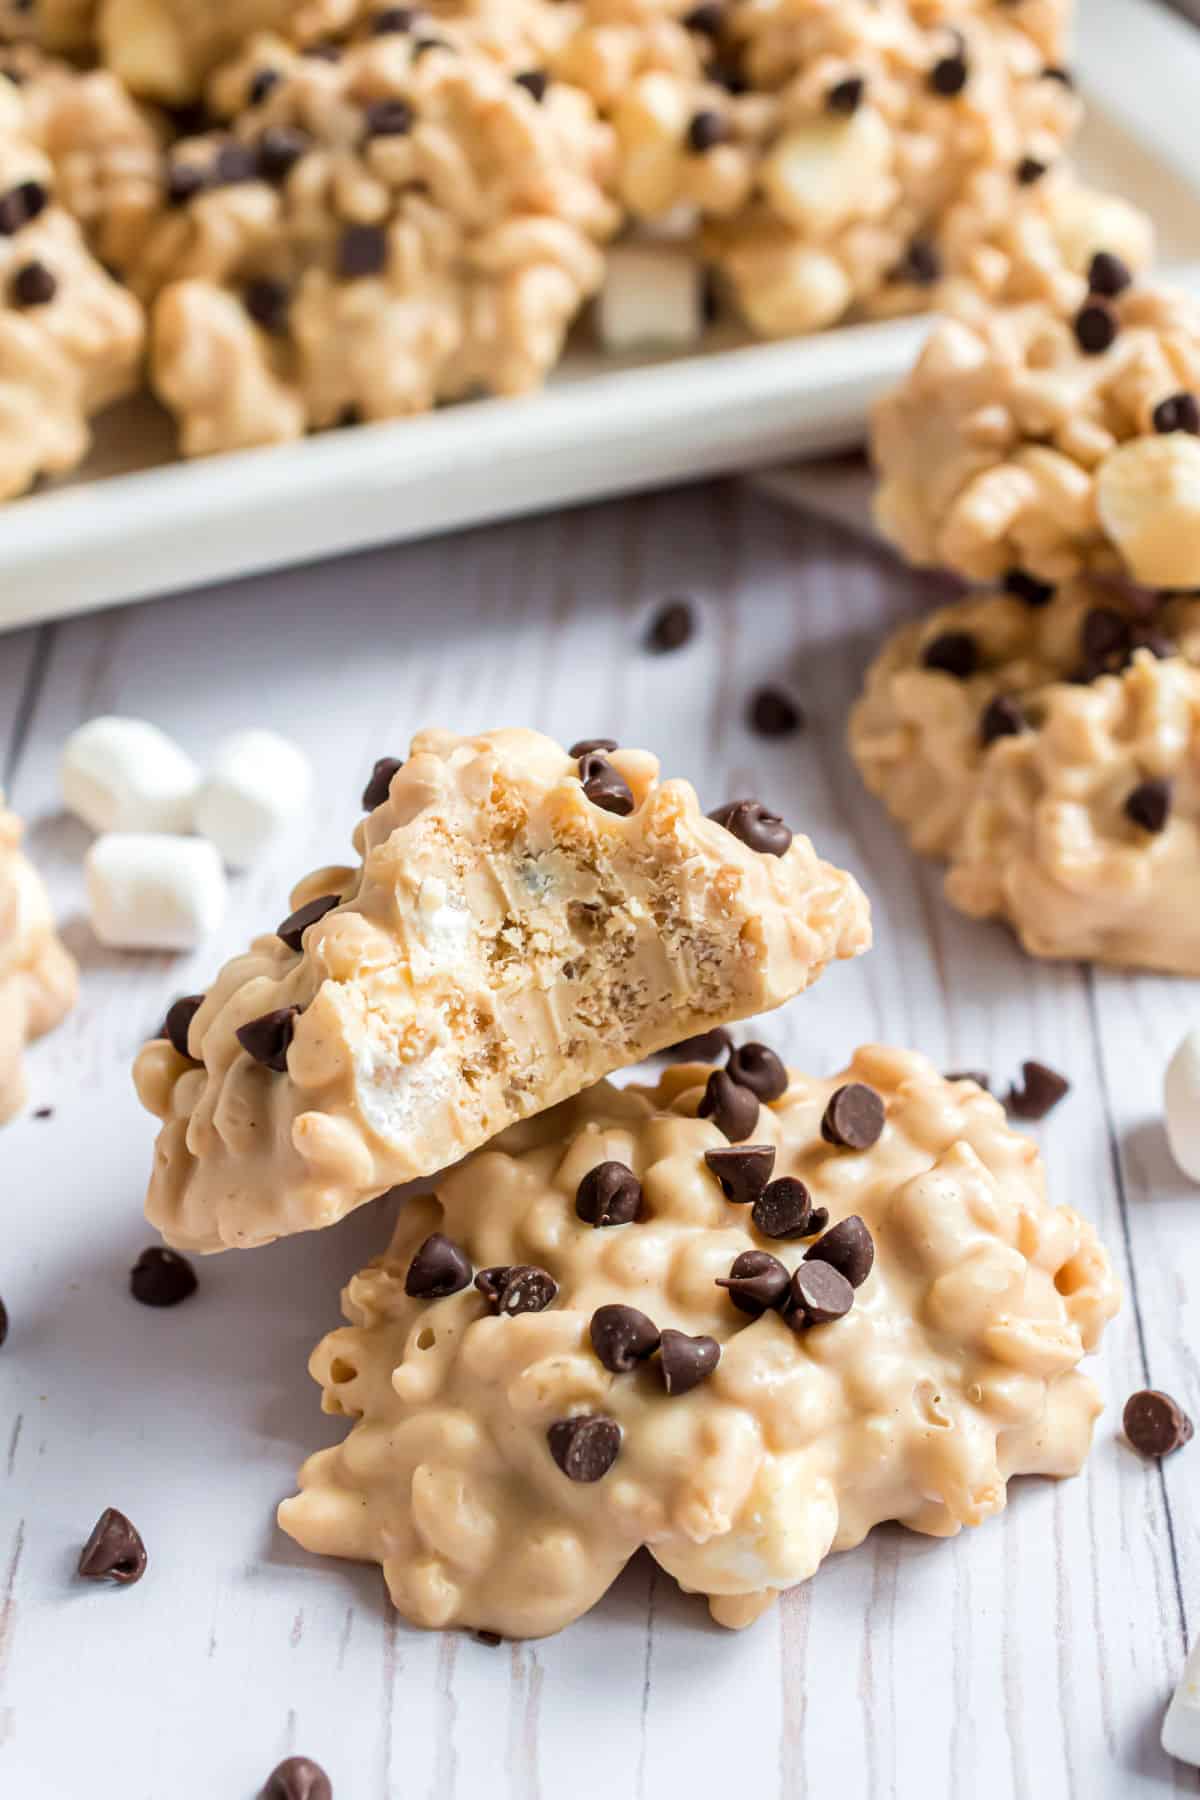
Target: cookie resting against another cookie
pixel 1047 745
pixel 866 1311
pixel 1052 440
pixel 523 921
pixel 404 223
pixel 38 979
pixel 107 151
pixel 70 336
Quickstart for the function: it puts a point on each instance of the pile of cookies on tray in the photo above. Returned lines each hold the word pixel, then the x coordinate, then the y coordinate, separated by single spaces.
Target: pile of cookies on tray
pixel 291 215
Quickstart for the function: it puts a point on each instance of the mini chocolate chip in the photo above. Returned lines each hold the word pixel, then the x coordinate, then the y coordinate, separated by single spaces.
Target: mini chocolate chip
pixel 585 1447
pixel 754 825
pixel 706 130
pixel 21 205
pixel 234 163
pixel 1056 72
pixel 296 924
pixel 376 790
pixel 3 1322
pixel 178 1020
pixel 757 1282
pixel 525 1289
pixel 262 83
pixel 1178 412
pixel 1028 588
pixel 267 303
pixel 184 180
pixel 392 19
pixel 757 1067
pixel 389 118
pixel 534 81
pixel 586 745
pixel 1155 1423
pixel 672 626
pixel 1002 717
pixel 490 1282
pixel 1149 805
pixel 161 1277
pixel 423 45
pixel 743 1171
pixel 978 1076
pixel 114 1551
pixel 41 1112
pixel 298 1778
pixel 773 713
pixel 707 18
pixel 732 1108
pixel 819 1293
pixel 605 786
pixel 706 1046
pixel 686 1361
pixel 440 1267
pixel 1106 640
pixel 362 250
pixel 279 150
pixel 491 1639
pixel 1108 275
pixel 622 1337
pixel 609 1194
pixel 921 264
pixel 953 652
pixel 1096 327
pixel 948 76
pixel 1029 170
pixel 1041 1089
pixel 784 1209
pixel 268 1039
pixel 854 1118
pixel 846 96
pixel 33 284
pixel 849 1247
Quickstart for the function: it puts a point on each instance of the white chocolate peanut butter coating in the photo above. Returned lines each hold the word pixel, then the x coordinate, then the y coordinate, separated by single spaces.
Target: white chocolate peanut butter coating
pixel 1012 446
pixel 403 224
pixel 38 979
pixel 70 336
pixel 106 149
pixel 504 942
pixel 954 1369
pixel 1065 800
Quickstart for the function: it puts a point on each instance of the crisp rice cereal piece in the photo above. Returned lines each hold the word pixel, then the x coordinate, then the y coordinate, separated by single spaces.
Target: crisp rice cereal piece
pixel 504 942
pixel 371 236
pixel 1011 446
pixel 106 149
pixel 1060 778
pixel 955 1369
pixel 38 979
pixel 70 336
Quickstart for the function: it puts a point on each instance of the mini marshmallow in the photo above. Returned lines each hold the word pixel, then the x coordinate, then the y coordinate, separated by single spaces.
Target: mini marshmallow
pixel 258 781
pixel 1181 1727
pixel 127 775
pixel 1181 1105
pixel 652 295
pixel 151 891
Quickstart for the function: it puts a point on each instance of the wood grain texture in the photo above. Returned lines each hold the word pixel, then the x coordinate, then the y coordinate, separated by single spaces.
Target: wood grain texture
pixel 1029 1660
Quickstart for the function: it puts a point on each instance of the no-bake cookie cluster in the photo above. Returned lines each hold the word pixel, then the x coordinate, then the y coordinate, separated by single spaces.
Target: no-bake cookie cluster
pixel 343 210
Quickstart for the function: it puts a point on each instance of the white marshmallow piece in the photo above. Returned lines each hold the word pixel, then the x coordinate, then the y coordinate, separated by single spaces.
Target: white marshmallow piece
pixel 1181 1105
pixel 653 296
pixel 257 783
pixel 127 775
pixel 1181 1727
pixel 152 891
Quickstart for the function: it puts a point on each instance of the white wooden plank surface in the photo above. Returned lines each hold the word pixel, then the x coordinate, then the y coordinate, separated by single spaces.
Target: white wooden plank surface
pixel 1026 1661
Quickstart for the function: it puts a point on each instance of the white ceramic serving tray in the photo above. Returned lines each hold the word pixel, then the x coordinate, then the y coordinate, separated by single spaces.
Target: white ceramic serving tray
pixel 133 523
